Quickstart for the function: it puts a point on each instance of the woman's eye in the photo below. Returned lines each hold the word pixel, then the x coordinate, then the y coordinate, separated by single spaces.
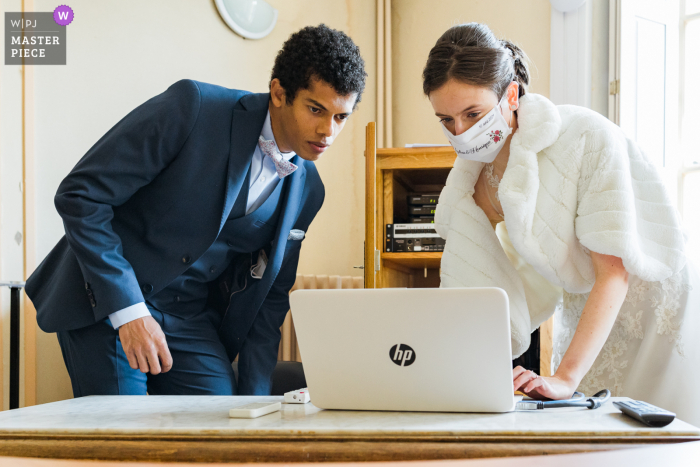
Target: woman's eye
pixel 445 120
pixel 473 115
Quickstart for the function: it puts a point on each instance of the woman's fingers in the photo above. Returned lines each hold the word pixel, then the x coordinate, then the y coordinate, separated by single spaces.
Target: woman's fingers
pixel 538 382
pixel 517 371
pixel 524 377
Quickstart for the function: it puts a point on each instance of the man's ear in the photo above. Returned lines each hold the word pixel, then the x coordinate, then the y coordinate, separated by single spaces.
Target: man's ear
pixel 277 93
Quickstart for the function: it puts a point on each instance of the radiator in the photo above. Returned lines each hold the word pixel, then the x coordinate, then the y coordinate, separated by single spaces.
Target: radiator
pixel 289 350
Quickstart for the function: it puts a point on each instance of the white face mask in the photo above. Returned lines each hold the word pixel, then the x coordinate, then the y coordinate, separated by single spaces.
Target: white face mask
pixel 483 141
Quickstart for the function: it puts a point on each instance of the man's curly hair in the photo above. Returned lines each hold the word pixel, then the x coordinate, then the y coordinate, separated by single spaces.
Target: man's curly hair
pixel 322 53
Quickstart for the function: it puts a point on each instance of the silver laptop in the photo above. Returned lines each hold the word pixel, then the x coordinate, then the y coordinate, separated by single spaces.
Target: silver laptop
pixel 433 350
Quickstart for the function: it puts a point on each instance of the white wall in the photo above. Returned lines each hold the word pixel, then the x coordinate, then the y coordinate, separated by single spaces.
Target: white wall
pixel 11 252
pixel 417 24
pixel 599 56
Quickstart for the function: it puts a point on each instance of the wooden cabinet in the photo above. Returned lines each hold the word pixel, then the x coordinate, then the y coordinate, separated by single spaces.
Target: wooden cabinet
pixel 390 174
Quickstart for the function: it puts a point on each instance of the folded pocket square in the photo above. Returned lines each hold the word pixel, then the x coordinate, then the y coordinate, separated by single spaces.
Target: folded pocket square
pixel 296 234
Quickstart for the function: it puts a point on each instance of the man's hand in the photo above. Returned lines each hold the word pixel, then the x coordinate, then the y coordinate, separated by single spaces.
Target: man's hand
pixel 145 346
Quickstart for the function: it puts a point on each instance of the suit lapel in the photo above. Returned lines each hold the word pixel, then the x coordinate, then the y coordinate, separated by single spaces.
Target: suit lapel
pixel 290 208
pixel 246 125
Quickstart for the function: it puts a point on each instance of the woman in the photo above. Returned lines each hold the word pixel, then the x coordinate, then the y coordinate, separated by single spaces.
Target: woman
pixel 585 211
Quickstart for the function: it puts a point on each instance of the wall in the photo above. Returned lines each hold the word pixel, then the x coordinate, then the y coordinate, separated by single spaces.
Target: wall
pixel 11 250
pixel 417 24
pixel 600 52
pixel 122 53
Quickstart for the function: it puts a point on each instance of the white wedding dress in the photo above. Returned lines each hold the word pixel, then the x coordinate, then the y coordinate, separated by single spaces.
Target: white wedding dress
pixel 653 350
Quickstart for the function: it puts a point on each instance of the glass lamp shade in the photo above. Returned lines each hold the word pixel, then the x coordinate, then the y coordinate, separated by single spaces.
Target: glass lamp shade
pixel 252 19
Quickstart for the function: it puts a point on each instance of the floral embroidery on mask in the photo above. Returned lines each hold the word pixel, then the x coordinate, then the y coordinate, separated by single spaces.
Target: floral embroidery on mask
pixel 495 136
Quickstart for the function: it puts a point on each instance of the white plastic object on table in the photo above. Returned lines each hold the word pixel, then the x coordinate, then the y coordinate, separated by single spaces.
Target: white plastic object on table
pixel 254 410
pixel 300 396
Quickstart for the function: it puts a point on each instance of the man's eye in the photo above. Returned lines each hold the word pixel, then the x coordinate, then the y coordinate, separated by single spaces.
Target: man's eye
pixel 315 110
pixel 341 117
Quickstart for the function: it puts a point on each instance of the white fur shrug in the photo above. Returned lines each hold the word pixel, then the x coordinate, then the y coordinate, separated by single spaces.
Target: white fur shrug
pixel 573 184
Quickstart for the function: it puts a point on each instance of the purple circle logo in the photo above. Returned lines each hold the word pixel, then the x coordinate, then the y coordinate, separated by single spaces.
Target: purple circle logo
pixel 63 15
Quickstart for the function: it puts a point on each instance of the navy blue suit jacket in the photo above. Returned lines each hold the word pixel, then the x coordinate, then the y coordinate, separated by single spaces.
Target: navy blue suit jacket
pixel 150 197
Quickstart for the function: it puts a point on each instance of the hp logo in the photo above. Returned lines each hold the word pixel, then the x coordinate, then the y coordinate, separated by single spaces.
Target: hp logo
pixel 402 355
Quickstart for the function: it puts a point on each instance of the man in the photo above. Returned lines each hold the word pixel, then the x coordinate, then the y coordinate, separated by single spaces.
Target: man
pixel 184 225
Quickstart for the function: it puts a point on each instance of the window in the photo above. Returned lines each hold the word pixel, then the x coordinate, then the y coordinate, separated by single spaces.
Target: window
pixel 644 65
pixel 690 124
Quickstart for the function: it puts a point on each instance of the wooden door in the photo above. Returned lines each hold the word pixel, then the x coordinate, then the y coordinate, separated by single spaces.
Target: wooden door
pixel 371 256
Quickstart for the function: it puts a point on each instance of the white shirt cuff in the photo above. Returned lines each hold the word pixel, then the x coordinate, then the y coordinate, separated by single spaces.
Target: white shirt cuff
pixel 130 313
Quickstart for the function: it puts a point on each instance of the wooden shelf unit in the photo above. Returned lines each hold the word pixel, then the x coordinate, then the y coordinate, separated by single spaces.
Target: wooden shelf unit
pixel 414 260
pixel 391 174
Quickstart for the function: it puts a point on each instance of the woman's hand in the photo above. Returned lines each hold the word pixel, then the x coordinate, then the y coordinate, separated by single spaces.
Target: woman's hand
pixel 541 387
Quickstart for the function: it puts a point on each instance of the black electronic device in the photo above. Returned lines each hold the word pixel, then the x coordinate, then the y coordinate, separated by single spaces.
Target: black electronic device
pixel 422 199
pixel 413 237
pixel 646 413
pixel 423 220
pixel 426 210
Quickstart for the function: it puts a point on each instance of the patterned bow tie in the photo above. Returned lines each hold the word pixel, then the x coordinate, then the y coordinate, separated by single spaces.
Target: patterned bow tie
pixel 269 148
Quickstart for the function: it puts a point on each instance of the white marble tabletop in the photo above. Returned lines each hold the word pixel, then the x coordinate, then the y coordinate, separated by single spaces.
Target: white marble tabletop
pixel 208 416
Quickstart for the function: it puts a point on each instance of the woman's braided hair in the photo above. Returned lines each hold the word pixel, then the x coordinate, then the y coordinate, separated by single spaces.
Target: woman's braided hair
pixel 471 53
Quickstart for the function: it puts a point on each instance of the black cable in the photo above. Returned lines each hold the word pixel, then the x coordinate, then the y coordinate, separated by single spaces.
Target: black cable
pixel 579 400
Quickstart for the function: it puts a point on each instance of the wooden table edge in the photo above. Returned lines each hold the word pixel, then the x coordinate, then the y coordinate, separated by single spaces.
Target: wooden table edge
pixel 309 448
pixel 591 437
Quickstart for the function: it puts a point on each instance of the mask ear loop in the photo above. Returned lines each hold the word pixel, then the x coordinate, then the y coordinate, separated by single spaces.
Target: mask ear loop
pixel 510 123
pixel 513 108
pixel 512 111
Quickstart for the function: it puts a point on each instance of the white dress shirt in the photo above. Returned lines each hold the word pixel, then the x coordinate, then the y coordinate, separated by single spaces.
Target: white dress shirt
pixel 263 181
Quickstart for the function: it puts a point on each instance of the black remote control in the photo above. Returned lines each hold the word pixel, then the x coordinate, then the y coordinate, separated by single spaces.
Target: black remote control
pixel 648 414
